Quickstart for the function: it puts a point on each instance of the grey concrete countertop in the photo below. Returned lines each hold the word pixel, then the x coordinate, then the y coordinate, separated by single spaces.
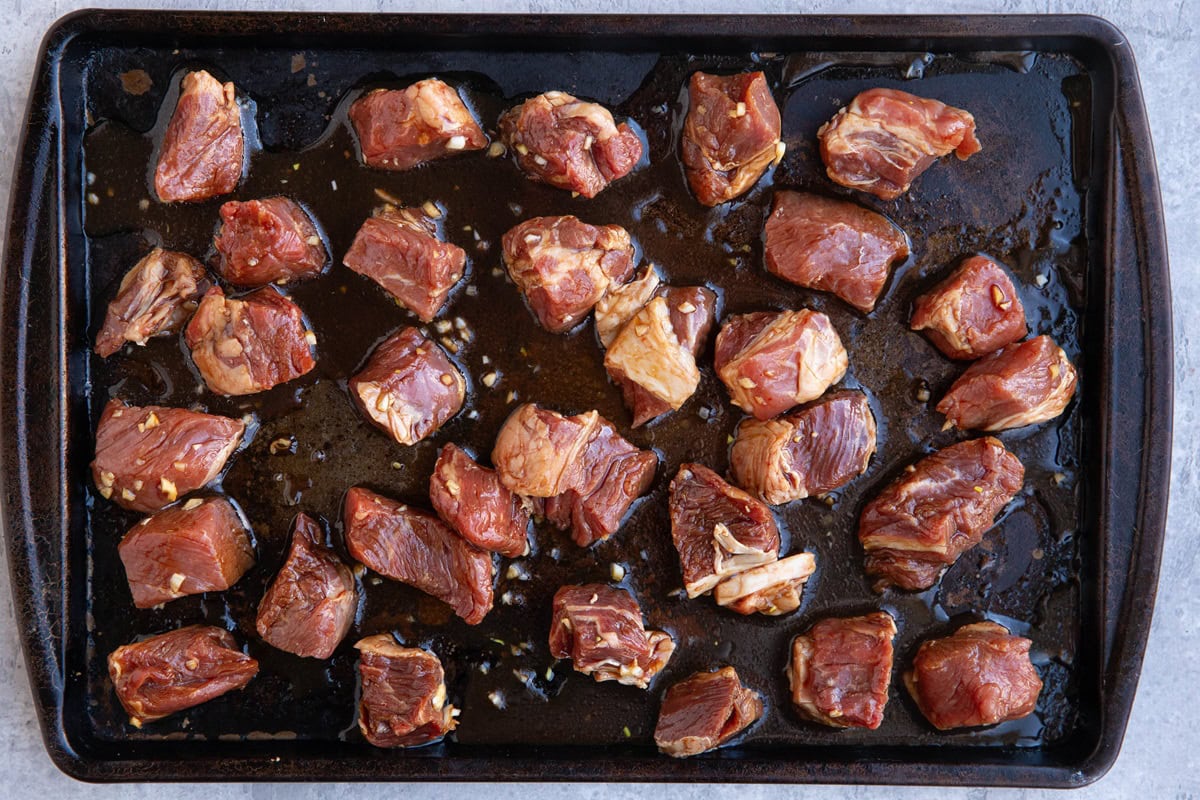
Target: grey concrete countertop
pixel 1161 756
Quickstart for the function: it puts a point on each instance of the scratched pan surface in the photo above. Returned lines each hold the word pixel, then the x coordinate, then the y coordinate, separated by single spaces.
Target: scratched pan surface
pixel 1029 200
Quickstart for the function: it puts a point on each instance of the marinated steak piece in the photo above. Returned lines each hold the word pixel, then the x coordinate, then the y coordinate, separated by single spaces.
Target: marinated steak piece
pixel 718 529
pixel 622 301
pixel 563 266
pixel 198 547
pixel 311 603
pixel 704 711
pixel 569 143
pixel 600 629
pixel 538 451
pixel 202 149
pixel 771 361
pixel 398 129
pixel 248 344
pixel 399 249
pixel 414 547
pixel 268 241
pixel 154 298
pixel 981 675
pixel 832 246
pixel 730 135
pixel 811 451
pixel 929 516
pixel 149 456
pixel 1021 384
pixel 885 138
pixel 473 501
pixel 841 668
pixel 772 589
pixel 403 702
pixel 177 670
pixel 973 312
pixel 409 387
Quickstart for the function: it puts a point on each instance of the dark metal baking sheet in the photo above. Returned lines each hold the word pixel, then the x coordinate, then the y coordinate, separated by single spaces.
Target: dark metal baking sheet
pixel 1064 188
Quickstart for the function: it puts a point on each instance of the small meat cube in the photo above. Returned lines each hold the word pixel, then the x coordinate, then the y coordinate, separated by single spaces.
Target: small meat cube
pixel 973 312
pixel 1022 384
pixel 771 589
pixel 198 547
pixel 929 516
pixel 646 352
pixel 173 671
pixel 248 344
pixel 409 387
pixel 311 603
pixel 202 150
pixel 400 250
pixel 600 628
pixel 841 668
pixel 147 457
pixel 538 451
pixel 610 474
pixel 570 143
pixel 563 266
pixel 832 246
pixel 154 298
pixel 730 135
pixel 771 361
pixel 415 547
pixel 885 138
pixel 622 301
pixel 473 501
pixel 718 529
pixel 398 129
pixel 704 711
pixel 268 241
pixel 817 449
pixel 981 675
pixel 403 701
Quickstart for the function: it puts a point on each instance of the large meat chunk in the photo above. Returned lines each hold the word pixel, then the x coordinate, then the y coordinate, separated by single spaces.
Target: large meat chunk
pixel 1022 384
pixel 840 670
pixel 771 589
pixel 398 129
pixel 538 452
pixel 832 246
pixel 403 701
pixel 268 241
pixel 149 456
pixel 718 529
pixel 198 547
pixel 981 675
pixel 811 451
pixel 202 150
pixel 563 266
pixel 248 344
pixel 311 603
pixel 929 516
pixel 154 298
pixel 704 711
pixel 730 135
pixel 473 501
pixel 177 670
pixel 570 143
pixel 600 629
pixel 771 361
pixel 415 547
pixel 399 249
pixel 409 387
pixel 973 312
pixel 885 138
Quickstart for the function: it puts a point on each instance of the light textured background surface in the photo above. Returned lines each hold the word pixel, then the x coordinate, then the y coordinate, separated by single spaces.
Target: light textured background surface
pixel 1160 757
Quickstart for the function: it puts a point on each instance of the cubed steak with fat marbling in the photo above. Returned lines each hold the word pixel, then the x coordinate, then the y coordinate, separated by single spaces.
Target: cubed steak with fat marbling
pixel 885 138
pixel 147 457
pixel 539 452
pixel 473 501
pixel 704 711
pixel 310 604
pixel 973 312
pixel 202 151
pixel 840 670
pixel 398 129
pixel 266 241
pixel 200 546
pixel 155 298
pixel 174 671
pixel 415 547
pixel 771 589
pixel 403 695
